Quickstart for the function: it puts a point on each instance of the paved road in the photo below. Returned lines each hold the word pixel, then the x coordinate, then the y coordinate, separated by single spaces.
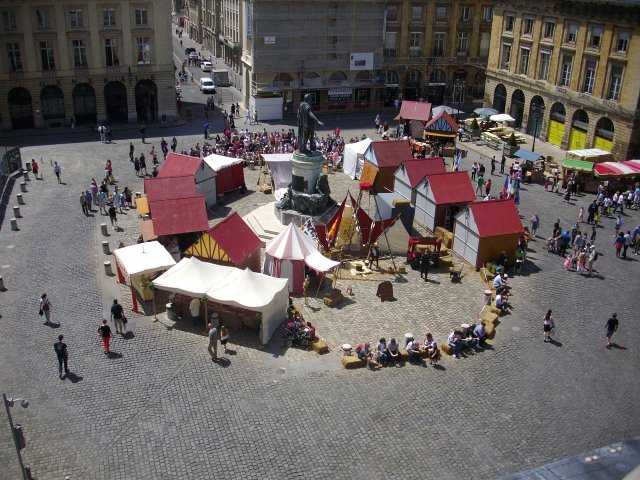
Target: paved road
pixel 159 408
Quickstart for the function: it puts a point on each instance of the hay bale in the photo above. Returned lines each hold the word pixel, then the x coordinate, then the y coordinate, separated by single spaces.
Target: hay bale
pixel 446 348
pixel 490 318
pixel 490 330
pixel 404 355
pixel 401 202
pixel 495 310
pixel 445 235
pixel 320 346
pixel 352 361
pixel 485 274
pixel 265 188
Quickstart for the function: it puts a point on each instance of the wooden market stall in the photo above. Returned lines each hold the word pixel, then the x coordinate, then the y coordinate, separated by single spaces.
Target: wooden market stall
pixel 411 172
pixel 381 161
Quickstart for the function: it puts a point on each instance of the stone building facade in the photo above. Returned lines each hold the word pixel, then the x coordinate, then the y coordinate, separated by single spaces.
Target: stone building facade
pixel 569 71
pixel 437 51
pixel 329 49
pixel 92 61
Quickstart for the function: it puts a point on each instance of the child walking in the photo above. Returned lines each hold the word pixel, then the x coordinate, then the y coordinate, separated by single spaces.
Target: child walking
pixel 224 337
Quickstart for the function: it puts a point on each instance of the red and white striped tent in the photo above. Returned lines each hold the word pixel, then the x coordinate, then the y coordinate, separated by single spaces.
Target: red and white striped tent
pixel 617 169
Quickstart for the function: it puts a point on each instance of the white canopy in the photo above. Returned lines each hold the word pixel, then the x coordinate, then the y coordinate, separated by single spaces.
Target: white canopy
pixel 219 162
pixel 444 108
pixel 292 244
pixel 280 168
pixel 502 117
pixel 230 286
pixel 352 158
pixel 143 258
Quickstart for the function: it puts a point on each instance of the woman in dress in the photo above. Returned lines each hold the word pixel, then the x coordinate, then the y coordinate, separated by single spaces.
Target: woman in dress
pixel 547 325
pixel 45 307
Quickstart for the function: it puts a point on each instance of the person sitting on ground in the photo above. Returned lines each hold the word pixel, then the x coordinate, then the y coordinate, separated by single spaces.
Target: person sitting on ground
pixel 480 333
pixel 365 354
pixel 383 355
pixel 393 350
pixel 501 302
pixel 310 332
pixel 455 343
pixel 413 349
pixel 431 347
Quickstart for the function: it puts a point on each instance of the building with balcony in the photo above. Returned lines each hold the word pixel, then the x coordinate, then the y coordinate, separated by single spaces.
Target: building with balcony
pixel 569 71
pixel 329 49
pixel 437 51
pixel 91 61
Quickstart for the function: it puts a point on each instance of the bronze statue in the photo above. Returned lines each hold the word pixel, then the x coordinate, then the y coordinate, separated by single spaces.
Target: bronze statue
pixel 306 126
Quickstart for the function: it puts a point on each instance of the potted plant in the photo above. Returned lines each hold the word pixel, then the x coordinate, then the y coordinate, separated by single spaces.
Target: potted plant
pixel 475 129
pixel 511 147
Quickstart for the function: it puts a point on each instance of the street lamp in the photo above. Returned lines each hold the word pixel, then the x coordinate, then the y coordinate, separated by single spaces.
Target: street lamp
pixel 16 431
pixel 538 110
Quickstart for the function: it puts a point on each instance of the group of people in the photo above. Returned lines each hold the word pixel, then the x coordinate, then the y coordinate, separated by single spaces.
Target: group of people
pixel 108 203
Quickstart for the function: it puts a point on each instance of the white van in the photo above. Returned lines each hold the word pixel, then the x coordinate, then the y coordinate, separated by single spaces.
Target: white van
pixel 206 66
pixel 207 85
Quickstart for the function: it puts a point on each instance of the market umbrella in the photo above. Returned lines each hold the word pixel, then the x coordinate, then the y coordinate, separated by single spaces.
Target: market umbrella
pixel 486 112
pixel 502 117
pixel 450 110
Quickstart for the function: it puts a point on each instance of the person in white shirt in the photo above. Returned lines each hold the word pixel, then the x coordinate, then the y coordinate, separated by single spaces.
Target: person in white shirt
pixel 392 350
pixel 431 347
pixel 413 348
pixel 194 309
pixel 383 354
pixel 501 302
pixel 455 343
pixel 480 333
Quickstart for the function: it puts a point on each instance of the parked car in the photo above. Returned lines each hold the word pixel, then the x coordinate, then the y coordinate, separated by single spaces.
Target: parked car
pixel 193 54
pixel 207 85
pixel 188 50
pixel 206 66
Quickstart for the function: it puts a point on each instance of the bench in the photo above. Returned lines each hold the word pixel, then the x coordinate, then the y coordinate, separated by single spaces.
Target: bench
pixel 495 144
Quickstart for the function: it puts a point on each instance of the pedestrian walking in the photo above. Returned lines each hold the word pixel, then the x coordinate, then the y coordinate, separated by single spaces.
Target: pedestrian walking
pixel 224 337
pixel 57 169
pixel 547 325
pixel 493 165
pixel 479 184
pixel 62 352
pixel 131 150
pixel 503 162
pixel 143 164
pixel 83 204
pixel 136 166
pixel 88 199
pixel 610 327
pixel 425 258
pixel 112 216
pixel 45 308
pixel 143 131
pixel 618 244
pixel 34 167
pixel 487 187
pixel 117 315
pixel 233 109
pixel 255 117
pixel 474 170
pixel 206 130
pixel 174 144
pixel 213 341
pixel 535 223
pixel 247 117
pixel 104 332
pixel 626 244
pixel 581 215
pixel 618 224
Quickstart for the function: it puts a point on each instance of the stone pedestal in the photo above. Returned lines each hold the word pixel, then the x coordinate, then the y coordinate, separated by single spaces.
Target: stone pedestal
pixel 305 170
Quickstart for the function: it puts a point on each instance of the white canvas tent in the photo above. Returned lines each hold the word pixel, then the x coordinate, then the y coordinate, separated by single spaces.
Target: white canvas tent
pixel 280 168
pixel 353 157
pixel 230 286
pixel 140 261
pixel 287 254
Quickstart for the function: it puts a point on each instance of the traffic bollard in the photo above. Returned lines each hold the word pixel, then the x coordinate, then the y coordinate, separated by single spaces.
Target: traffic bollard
pixel 103 227
pixel 14 224
pixel 25 174
pixel 20 199
pixel 2 289
pixel 16 211
pixel 23 187
pixel 108 271
pixel 105 248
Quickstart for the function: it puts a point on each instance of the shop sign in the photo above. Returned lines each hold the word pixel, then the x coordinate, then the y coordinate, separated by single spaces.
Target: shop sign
pixel 340 94
pixel 270 40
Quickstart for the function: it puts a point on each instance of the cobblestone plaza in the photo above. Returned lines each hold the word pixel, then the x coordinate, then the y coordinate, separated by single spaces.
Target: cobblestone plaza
pixel 159 408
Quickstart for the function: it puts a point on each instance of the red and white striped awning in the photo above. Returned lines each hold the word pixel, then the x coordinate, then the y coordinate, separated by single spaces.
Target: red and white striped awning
pixel 613 169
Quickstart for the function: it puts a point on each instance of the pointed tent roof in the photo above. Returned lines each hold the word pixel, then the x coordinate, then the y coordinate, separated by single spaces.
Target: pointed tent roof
pixel 415 110
pixel 292 244
pixel 496 217
pixel 391 153
pixel 235 237
pixel 419 168
pixel 443 122
pixel 451 187
pixel 177 165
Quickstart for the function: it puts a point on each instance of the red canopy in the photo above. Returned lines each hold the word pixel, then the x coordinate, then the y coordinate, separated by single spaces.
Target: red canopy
pixel 169 188
pixel 612 169
pixel 415 110
pixel 182 215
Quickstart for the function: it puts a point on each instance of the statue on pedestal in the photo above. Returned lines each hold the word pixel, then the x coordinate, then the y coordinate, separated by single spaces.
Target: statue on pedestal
pixel 306 126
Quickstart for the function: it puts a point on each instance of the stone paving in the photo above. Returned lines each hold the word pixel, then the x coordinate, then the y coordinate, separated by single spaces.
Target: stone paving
pixel 159 408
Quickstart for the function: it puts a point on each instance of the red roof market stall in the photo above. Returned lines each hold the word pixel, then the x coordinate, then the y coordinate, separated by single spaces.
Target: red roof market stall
pixel 484 229
pixel 169 188
pixel 417 113
pixel 179 166
pixel 441 125
pixel 630 168
pixel 229 173
pixel 181 215
pixel 381 161
pixel 412 172
pixel 440 196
